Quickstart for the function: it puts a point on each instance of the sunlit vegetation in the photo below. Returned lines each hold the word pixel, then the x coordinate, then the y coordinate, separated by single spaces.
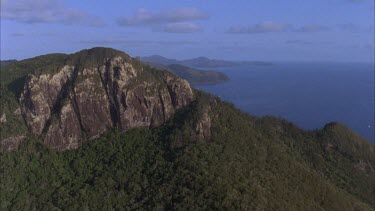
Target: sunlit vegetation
pixel 250 163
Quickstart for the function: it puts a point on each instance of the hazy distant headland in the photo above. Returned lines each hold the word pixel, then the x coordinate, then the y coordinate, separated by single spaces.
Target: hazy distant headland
pixel 202 62
pixel 193 75
pixel 187 69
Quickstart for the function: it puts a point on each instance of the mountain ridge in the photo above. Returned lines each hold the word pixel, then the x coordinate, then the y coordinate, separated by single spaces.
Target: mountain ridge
pixel 90 91
pixel 206 154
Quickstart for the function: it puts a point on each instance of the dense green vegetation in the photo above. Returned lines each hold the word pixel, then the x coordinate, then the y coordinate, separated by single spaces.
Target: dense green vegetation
pixel 250 163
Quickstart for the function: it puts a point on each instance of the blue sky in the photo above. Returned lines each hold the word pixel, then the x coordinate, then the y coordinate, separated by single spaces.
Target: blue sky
pixel 289 30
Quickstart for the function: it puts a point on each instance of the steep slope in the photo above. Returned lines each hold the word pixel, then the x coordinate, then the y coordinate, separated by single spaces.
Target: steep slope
pixel 93 90
pixel 183 149
pixel 12 125
pixel 238 162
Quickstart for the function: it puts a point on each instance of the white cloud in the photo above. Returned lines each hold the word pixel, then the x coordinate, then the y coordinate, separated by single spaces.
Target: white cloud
pixel 264 27
pixel 145 17
pixel 46 11
pixel 275 27
pixel 181 28
pixel 138 43
pixel 304 42
pixel 312 28
pixel 298 42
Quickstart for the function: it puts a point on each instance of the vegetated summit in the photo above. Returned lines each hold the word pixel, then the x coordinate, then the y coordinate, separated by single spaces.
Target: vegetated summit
pixel 100 130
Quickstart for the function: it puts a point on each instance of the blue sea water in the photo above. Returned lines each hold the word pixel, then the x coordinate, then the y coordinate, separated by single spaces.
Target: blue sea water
pixel 307 94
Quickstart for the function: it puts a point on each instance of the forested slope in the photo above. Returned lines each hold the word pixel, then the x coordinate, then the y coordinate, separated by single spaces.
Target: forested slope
pixel 206 155
pixel 248 163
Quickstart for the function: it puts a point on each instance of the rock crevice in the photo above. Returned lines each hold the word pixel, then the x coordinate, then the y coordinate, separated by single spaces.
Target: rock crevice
pixel 80 102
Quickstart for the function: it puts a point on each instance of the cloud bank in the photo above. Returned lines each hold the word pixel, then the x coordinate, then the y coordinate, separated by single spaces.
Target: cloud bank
pixel 275 27
pixel 138 43
pixel 172 21
pixel 46 11
pixel 312 28
pixel 182 28
pixel 145 17
pixel 264 27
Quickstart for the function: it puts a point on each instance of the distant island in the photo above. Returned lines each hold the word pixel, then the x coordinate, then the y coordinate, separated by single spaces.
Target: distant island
pixel 202 62
pixel 187 69
pixel 194 76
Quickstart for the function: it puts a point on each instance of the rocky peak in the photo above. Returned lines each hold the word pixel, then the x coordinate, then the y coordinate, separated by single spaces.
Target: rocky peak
pixel 94 90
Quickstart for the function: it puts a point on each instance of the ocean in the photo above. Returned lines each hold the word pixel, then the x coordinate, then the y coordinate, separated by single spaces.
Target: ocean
pixel 307 94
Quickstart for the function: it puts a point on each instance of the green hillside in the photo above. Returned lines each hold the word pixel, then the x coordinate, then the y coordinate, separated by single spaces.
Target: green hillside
pixel 246 163
pixel 250 163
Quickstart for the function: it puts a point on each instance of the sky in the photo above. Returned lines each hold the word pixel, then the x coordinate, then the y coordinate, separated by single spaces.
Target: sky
pixel 288 30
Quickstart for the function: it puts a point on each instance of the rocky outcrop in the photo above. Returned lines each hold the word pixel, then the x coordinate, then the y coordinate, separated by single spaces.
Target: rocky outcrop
pixel 203 126
pixel 90 94
pixel 3 118
pixel 11 143
pixel 42 95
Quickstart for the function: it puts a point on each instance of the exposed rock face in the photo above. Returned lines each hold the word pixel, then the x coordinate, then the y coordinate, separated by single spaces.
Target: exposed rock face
pixel 3 118
pixel 203 127
pixel 82 99
pixel 17 112
pixel 42 95
pixel 11 143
